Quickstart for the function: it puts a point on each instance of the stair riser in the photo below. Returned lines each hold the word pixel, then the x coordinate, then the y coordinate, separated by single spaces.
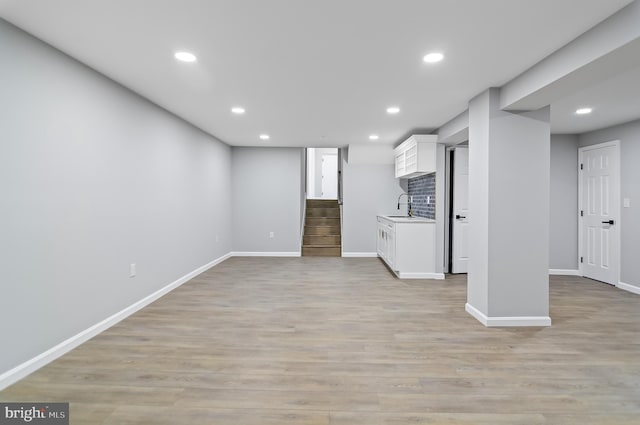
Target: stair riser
pixel 321 240
pixel 322 204
pixel 322 230
pixel 323 212
pixel 321 252
pixel 315 221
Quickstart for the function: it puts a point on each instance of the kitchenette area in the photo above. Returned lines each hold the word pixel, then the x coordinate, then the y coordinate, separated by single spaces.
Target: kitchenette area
pixel 408 239
pixel 407 246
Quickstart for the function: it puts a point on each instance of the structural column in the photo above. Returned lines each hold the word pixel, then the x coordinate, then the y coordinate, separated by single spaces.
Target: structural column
pixel 508 273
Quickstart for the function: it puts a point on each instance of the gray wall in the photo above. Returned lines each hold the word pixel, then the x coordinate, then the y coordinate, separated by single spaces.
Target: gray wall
pixel 509 174
pixel 563 237
pixel 478 266
pixel 629 136
pixel 266 198
pixel 369 190
pixel 93 178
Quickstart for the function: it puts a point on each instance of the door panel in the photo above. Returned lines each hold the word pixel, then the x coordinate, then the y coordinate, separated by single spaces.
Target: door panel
pixel 329 176
pixel 606 248
pixel 600 204
pixel 460 228
pixel 591 246
pixel 604 188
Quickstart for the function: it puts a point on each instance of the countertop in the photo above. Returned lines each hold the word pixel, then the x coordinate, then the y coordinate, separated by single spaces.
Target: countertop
pixel 406 219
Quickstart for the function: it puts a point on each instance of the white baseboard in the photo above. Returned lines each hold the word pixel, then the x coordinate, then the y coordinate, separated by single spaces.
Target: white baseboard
pixel 630 288
pixel 266 254
pixel 491 322
pixel 404 275
pixel 360 254
pixel 30 366
pixel 564 272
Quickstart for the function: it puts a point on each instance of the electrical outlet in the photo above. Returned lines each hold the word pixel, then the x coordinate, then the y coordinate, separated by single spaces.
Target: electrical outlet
pixel 272 235
pixel 626 203
pixel 132 270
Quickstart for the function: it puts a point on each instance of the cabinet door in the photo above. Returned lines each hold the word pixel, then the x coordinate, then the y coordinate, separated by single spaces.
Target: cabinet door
pixel 379 241
pixel 411 159
pixel 391 249
pixel 400 165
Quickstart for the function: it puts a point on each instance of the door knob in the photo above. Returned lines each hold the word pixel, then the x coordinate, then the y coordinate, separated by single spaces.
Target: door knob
pixel 609 222
pixel 460 217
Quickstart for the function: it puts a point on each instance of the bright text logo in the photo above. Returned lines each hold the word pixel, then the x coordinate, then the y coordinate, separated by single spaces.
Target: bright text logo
pixel 36 413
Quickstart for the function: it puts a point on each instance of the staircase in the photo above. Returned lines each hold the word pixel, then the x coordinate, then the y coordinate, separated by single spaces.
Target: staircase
pixel 322 229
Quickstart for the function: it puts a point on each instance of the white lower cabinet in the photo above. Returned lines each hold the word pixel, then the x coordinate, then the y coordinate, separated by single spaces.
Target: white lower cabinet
pixel 386 241
pixel 408 248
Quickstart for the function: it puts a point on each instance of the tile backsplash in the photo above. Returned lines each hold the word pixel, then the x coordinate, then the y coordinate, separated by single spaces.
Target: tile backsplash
pixel 423 191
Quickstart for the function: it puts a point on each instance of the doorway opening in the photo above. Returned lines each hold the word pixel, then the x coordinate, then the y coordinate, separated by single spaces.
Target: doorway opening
pixel 457 209
pixel 322 230
pixel 322 173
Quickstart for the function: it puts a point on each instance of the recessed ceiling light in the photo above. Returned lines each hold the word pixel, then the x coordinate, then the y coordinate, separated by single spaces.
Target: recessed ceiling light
pixel 237 110
pixel 374 137
pixel 264 137
pixel 583 111
pixel 393 110
pixel 433 57
pixel 185 56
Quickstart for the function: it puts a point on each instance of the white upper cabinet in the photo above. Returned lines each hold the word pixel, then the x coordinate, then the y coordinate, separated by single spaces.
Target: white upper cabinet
pixel 416 156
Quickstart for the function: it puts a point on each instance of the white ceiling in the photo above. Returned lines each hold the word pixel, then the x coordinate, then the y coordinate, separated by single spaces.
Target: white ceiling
pixel 614 101
pixel 317 72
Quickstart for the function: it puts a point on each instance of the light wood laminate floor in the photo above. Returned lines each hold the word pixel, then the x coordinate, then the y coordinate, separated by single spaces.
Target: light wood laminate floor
pixel 341 341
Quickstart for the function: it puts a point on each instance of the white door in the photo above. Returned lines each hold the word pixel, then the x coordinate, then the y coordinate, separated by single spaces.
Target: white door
pixel 460 228
pixel 329 176
pixel 599 204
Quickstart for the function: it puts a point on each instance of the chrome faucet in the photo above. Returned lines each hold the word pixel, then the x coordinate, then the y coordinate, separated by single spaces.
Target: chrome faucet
pixel 409 200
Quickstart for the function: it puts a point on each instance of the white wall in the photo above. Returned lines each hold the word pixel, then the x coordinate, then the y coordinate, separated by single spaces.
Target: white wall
pixel 563 237
pixel 266 198
pixel 303 189
pixel 93 178
pixel 629 136
pixel 315 157
pixel 311 173
pixel 368 190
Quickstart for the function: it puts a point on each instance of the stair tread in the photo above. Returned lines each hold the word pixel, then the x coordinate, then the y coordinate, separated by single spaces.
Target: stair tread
pixel 323 201
pixel 321 246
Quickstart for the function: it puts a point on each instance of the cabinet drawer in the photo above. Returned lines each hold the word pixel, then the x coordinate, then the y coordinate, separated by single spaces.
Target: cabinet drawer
pixel 389 225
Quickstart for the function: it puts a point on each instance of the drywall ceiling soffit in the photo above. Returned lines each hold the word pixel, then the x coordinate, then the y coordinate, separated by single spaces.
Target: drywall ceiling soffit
pixel 455 131
pixel 614 101
pixel 309 73
pixel 599 70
